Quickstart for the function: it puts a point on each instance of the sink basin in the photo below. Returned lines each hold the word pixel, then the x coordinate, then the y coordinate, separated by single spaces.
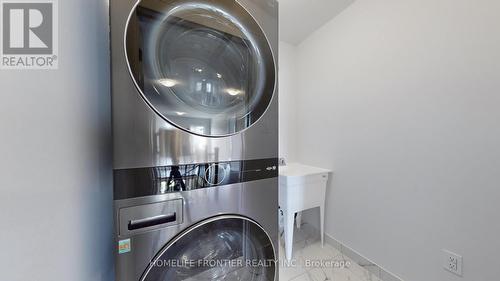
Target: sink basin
pixel 302 187
pixel 296 173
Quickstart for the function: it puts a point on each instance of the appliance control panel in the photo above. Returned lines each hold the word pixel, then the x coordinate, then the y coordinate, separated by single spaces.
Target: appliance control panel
pixel 131 183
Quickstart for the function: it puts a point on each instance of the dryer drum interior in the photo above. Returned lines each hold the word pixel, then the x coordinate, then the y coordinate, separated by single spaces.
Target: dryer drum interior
pixel 221 248
pixel 204 66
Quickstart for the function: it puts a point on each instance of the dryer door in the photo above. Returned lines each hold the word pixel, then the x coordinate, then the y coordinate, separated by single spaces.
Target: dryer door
pixel 222 248
pixel 204 66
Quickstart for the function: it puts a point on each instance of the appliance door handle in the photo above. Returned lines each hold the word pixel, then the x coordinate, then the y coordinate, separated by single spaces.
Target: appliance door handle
pixel 151 221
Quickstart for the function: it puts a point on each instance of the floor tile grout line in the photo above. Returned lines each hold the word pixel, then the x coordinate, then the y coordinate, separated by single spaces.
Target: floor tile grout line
pixel 361 274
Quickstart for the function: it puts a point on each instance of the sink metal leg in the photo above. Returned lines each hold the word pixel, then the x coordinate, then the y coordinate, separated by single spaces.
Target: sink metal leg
pixel 289 220
pixel 322 223
pixel 298 219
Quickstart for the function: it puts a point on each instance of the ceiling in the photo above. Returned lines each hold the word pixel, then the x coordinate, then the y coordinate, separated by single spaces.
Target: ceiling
pixel 299 18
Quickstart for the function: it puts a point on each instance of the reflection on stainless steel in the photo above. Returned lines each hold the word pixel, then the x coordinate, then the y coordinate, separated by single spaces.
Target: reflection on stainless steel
pixel 169 83
pixel 234 92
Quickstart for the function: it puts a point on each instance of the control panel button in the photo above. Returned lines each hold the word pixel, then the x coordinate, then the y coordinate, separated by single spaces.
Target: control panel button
pixel 215 174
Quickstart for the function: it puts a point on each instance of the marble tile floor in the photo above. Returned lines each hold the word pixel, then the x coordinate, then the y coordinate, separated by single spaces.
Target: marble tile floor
pixel 311 262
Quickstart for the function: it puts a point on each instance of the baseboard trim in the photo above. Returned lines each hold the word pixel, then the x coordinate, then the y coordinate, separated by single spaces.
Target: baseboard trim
pixel 369 265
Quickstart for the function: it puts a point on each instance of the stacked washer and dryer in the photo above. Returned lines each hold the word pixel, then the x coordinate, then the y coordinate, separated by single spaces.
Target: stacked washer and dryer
pixel 195 128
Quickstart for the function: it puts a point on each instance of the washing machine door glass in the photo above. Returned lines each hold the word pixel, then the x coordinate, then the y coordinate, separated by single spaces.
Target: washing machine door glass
pixel 204 66
pixel 224 248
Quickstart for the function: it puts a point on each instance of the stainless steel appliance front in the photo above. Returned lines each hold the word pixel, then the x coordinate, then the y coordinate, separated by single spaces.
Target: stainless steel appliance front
pixel 230 209
pixel 195 132
pixel 193 81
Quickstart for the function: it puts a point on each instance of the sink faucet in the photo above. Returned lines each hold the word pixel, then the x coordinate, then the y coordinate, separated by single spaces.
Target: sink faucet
pixel 282 162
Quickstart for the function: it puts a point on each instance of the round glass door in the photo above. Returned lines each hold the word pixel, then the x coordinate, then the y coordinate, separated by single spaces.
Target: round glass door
pixel 220 249
pixel 204 66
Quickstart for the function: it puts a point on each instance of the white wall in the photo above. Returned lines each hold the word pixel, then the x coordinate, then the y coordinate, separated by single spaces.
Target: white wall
pixel 403 98
pixel 287 103
pixel 55 168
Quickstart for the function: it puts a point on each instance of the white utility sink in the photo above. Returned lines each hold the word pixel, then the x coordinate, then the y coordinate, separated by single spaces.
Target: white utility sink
pixel 301 187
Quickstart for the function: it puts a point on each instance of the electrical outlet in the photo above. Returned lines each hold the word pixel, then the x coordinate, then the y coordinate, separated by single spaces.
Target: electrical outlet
pixel 452 262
